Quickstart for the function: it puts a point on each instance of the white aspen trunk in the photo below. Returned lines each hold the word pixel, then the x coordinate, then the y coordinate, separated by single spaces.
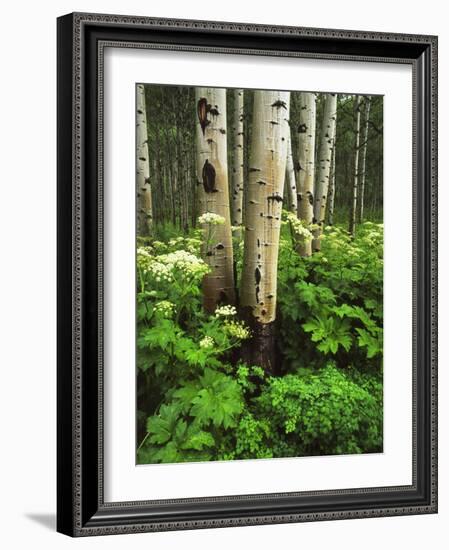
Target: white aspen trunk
pixel 263 207
pixel 355 166
pixel 144 200
pixel 306 163
pixel 290 176
pixel 237 168
pixel 324 165
pixel 213 195
pixel 331 194
pixel 363 159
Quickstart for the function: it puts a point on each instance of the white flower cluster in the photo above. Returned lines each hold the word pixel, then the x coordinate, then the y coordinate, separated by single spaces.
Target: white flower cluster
pixel 193 245
pixel 160 271
pixel 299 229
pixel 144 257
pixel 225 311
pixel 207 342
pixel 159 244
pixel 184 261
pixel 162 267
pixel 237 330
pixel 209 218
pixel 165 307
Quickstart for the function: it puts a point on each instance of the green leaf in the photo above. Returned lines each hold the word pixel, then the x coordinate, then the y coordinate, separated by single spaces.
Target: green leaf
pixel 185 396
pixel 168 454
pixel 330 333
pixel 160 336
pixel 197 439
pixel 219 401
pixel 162 426
pixel 372 344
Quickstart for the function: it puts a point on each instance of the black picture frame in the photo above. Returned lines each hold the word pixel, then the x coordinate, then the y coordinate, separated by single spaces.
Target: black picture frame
pixel 81 510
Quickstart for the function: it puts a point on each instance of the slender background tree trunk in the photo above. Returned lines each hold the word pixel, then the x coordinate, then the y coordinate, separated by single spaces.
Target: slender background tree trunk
pixel 306 163
pixel 363 158
pixel 144 200
pixel 268 158
pixel 331 194
pixel 212 176
pixel 290 176
pixel 324 165
pixel 237 167
pixel 355 166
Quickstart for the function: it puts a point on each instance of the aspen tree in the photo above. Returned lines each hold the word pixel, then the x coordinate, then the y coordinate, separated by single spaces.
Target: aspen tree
pixel 290 176
pixel 331 193
pixel 213 196
pixel 324 165
pixel 144 199
pixel 306 163
pixel 363 158
pixel 355 166
pixel 237 167
pixel 263 208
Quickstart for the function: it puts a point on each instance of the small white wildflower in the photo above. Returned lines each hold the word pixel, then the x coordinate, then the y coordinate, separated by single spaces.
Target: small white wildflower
pixel 225 311
pixel 301 232
pixel 164 266
pixel 209 218
pixel 159 270
pixel 237 330
pixel 186 262
pixel 144 258
pixel 142 251
pixel 165 307
pixel 207 342
pixel 193 245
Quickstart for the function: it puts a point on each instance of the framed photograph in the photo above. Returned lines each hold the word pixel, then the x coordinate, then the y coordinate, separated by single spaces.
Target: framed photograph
pixel 246 274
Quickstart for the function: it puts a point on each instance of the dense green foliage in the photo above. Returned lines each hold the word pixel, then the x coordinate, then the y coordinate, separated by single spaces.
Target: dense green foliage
pixel 198 401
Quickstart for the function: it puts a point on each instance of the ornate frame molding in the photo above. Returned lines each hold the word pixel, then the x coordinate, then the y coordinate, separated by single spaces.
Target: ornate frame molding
pixel 81 509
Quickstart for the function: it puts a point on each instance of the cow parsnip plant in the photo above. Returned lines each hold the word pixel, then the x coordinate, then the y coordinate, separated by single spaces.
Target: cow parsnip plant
pixel 198 401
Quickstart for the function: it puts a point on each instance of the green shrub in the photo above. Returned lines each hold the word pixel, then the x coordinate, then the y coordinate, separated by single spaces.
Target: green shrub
pixel 319 413
pixel 196 400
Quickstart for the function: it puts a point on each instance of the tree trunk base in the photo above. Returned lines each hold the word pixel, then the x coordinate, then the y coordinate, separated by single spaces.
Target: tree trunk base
pixel 260 350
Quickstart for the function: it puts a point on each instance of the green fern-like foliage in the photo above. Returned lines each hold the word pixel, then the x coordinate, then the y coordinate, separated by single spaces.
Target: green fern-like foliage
pixel 198 402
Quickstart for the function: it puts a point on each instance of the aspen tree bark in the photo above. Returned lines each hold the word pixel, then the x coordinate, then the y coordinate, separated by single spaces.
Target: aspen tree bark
pixel 324 165
pixel 355 166
pixel 331 194
pixel 290 176
pixel 237 168
pixel 213 195
pixel 363 158
pixel 306 163
pixel 263 207
pixel 144 199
